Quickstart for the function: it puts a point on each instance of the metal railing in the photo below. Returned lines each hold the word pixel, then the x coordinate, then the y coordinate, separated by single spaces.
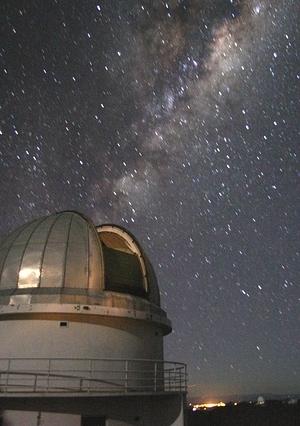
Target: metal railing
pixel 85 376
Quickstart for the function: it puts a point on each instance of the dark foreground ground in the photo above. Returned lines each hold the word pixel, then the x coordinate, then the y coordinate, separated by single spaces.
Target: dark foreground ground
pixel 272 414
pixel 276 414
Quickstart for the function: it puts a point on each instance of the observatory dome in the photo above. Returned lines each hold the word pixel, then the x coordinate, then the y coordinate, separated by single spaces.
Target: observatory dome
pixel 65 258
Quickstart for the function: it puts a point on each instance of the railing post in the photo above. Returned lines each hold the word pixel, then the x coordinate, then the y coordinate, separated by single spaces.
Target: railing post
pixel 91 374
pixel 7 375
pixel 126 376
pixel 35 382
pixel 48 376
pixel 155 376
pixel 180 377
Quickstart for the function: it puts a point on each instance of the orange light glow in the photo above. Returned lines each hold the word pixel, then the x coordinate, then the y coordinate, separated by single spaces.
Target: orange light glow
pixel 208 405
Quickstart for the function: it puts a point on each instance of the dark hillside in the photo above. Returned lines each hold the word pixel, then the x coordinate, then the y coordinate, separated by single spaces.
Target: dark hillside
pixel 273 414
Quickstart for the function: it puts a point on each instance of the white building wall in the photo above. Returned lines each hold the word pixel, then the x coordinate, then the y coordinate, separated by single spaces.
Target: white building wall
pixel 118 338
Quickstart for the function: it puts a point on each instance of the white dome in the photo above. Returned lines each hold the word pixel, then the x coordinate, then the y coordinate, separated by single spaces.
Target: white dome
pixel 65 254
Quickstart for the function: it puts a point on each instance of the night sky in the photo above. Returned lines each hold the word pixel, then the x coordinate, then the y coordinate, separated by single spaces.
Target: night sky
pixel 179 120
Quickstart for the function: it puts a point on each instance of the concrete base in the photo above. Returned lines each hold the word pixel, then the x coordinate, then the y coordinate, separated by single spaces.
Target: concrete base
pixel 36 418
pixel 143 410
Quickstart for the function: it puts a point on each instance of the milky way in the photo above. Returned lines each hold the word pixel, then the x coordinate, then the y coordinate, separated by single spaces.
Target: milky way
pixel 180 121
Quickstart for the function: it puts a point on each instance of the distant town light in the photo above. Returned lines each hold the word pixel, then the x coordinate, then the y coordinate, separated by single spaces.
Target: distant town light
pixel 208 405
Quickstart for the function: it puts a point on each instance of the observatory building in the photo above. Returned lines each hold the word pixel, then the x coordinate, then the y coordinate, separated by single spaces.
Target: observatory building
pixel 81 329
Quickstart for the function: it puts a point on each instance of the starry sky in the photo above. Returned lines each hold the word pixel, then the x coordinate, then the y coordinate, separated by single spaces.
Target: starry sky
pixel 179 120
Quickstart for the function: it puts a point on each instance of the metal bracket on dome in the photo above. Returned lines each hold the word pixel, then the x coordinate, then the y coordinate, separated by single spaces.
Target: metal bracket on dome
pixel 20 299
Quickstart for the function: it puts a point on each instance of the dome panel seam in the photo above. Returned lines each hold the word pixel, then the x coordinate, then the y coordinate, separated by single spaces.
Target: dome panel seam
pixel 26 245
pixel 45 247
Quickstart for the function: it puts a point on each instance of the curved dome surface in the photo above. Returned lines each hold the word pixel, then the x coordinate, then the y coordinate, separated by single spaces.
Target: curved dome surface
pixel 61 250
pixel 65 253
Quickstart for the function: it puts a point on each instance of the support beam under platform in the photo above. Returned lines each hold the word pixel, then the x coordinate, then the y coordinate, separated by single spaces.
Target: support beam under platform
pixel 143 410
